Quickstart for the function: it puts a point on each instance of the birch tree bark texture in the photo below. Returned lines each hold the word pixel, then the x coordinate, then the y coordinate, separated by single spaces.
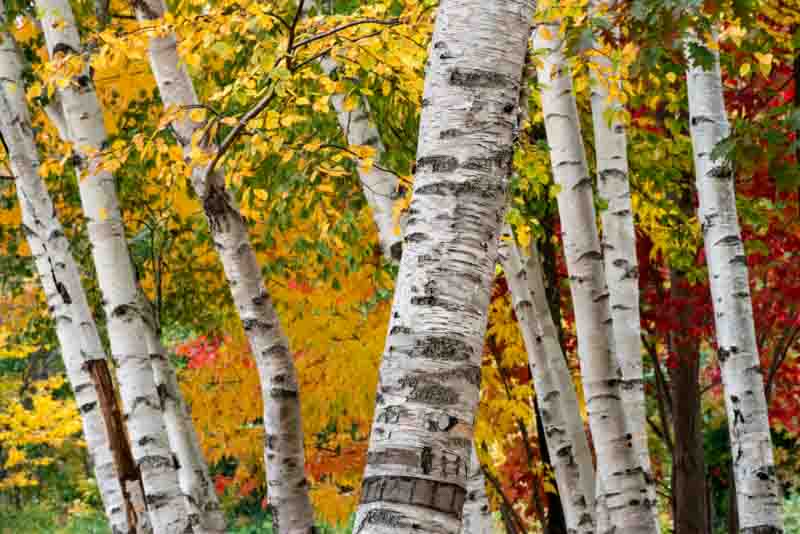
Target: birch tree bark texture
pixel 619 254
pixel 621 486
pixel 758 497
pixel 59 275
pixel 555 390
pixel 416 473
pixel 84 120
pixel 193 476
pixel 287 487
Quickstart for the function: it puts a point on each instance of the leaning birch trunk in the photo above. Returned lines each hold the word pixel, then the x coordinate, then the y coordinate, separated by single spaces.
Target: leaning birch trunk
pixel 60 279
pixel 619 254
pixel 193 475
pixel 558 401
pixel 757 490
pixel 283 452
pixel 84 120
pixel 621 485
pixel 416 474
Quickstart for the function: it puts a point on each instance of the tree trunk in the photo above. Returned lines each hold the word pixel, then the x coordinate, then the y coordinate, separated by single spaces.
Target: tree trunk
pixel 193 475
pixel 619 254
pixel 688 463
pixel 561 419
pixel 284 449
pixel 416 474
pixel 477 515
pixel 757 489
pixel 621 488
pixel 81 348
pixel 117 280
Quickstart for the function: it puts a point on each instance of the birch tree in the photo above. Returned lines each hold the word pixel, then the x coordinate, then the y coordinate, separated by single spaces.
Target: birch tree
pixel 82 118
pixel 415 478
pixel 619 251
pixel 283 452
pixel 561 417
pixel 81 348
pixel 621 487
pixel 758 495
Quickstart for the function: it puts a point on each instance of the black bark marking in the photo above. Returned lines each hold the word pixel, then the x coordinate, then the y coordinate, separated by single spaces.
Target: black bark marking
pixel 155 462
pixel 722 172
pixel 280 393
pixel 438 163
pixel 395 456
pixel 381 517
pixel 217 208
pixel 390 414
pixel 485 188
pixel 434 394
pixel 440 422
pixel 478 78
pixel 88 407
pixel 444 497
pixel 426 460
pixel 728 241
pixel 64 48
pixel 442 348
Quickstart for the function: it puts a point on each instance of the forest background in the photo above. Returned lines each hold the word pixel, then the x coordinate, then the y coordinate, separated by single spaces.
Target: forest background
pixel 296 178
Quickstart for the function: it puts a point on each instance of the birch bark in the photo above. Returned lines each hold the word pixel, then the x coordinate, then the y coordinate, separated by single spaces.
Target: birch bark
pixel 416 474
pixel 60 279
pixel 283 452
pixel 621 486
pixel 619 255
pixel 477 515
pixel 193 476
pixel 558 402
pixel 757 492
pixel 116 277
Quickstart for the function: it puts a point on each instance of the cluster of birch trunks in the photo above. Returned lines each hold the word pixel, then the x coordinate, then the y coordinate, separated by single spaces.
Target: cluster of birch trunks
pixel 422 473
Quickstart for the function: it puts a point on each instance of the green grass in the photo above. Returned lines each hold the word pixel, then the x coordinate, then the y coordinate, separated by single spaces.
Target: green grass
pixel 44 519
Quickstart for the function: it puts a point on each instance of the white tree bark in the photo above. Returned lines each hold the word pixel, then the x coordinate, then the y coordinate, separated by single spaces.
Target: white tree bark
pixel 117 281
pixel 758 497
pixel 621 486
pixel 416 474
pixel 193 475
pixel 619 255
pixel 558 401
pixel 477 514
pixel 283 453
pixel 60 279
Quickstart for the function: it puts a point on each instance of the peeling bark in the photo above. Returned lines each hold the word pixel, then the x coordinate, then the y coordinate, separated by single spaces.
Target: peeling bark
pixel 283 452
pixel 555 390
pixel 757 489
pixel 83 119
pixel 416 474
pixel 621 486
pixel 82 351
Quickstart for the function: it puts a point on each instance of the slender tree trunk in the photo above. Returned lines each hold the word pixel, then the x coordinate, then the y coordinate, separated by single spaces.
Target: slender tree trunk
pixel 619 254
pixel 563 427
pixel 757 489
pixel 621 488
pixel 283 451
pixel 81 348
pixel 556 520
pixel 477 515
pixel 84 120
pixel 416 474
pixel 193 475
pixel 688 463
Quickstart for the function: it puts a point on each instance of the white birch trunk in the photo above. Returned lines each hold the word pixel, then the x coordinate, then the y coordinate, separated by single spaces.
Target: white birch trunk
pixel 117 281
pixel 758 496
pixel 619 255
pixel 558 401
pixel 283 453
pixel 60 279
pixel 417 466
pixel 477 514
pixel 193 475
pixel 379 186
pixel 621 487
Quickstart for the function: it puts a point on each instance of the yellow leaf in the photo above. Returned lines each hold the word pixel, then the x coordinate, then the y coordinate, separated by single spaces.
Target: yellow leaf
pixel 198 115
pixel 744 70
pixel 103 214
pixel 764 63
pixel 35 90
pixel 671 76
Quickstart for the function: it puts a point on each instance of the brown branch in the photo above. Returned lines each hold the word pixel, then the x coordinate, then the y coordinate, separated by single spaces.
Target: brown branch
pixel 506 503
pixel 387 22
